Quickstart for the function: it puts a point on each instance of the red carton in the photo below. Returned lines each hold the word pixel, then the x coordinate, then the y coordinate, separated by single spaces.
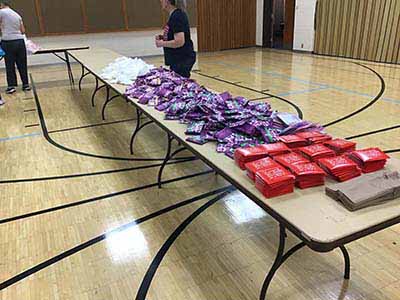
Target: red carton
pixel 341 146
pixel 293 141
pixel 276 149
pixel 290 159
pixel 317 151
pixel 314 137
pixel 340 168
pixel 275 182
pixel 369 160
pixel 258 165
pixel 308 175
pixel 249 154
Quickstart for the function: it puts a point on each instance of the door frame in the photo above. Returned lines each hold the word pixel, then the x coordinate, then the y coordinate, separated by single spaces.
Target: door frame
pixel 268 24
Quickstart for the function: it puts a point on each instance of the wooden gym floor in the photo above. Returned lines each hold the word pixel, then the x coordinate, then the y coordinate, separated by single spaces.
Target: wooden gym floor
pixel 62 206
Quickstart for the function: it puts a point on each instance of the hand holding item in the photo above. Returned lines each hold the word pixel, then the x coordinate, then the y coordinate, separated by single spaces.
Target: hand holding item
pixel 159 43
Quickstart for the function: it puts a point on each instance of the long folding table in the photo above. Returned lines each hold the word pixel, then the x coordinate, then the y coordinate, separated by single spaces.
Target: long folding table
pixel 319 222
pixel 58 51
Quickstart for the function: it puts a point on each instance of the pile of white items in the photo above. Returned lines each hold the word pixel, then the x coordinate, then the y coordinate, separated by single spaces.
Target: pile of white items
pixel 125 70
pixel 31 47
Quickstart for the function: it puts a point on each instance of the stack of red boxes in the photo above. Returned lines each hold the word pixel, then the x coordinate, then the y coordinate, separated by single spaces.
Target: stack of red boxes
pixel 369 160
pixel 308 175
pixel 314 137
pixel 341 146
pixel 316 152
pixel 275 182
pixel 304 160
pixel 259 165
pixel 293 141
pixel 340 168
pixel 291 159
pixel 249 154
pixel 276 149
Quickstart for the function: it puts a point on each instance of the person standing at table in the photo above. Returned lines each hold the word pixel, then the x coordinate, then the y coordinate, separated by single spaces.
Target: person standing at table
pixel 177 43
pixel 13 44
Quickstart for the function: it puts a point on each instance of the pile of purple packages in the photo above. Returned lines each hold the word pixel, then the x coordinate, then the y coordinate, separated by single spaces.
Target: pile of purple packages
pixel 232 122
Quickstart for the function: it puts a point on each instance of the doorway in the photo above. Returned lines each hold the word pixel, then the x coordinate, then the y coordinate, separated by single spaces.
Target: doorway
pixel 278 26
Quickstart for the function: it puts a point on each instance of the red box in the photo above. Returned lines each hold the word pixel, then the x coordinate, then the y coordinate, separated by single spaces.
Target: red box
pixel 275 182
pixel 341 146
pixel 258 165
pixel 340 168
pixel 249 154
pixel 314 137
pixel 308 175
pixel 290 159
pixel 293 141
pixel 369 160
pixel 317 151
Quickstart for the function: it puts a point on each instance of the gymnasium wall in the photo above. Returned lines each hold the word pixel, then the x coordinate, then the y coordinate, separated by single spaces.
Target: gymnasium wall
pixel 361 29
pixel 226 24
pixel 52 17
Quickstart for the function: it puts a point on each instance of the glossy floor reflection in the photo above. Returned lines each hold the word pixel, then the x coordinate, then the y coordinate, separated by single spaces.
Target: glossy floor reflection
pixel 89 250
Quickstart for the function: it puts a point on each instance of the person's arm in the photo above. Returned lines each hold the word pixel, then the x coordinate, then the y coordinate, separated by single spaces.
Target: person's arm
pixel 177 42
pixel 22 27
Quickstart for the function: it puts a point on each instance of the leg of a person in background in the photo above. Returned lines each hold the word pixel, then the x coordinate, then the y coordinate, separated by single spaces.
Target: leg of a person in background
pixel 183 68
pixel 22 64
pixel 10 58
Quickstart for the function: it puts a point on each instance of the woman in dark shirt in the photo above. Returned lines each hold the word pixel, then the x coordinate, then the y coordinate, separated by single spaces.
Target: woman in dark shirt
pixel 176 41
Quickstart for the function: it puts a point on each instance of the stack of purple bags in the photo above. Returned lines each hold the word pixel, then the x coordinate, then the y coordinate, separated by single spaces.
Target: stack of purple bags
pixel 231 122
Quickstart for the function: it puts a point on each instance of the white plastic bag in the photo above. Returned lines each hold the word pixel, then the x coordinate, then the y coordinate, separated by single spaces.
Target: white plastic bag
pixel 31 47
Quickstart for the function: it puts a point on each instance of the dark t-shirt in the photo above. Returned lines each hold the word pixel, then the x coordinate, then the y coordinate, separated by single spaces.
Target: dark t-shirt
pixel 178 22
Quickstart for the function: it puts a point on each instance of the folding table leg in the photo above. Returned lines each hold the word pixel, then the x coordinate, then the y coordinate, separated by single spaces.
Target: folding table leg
pixel 160 172
pixel 139 126
pixel 83 75
pixel 108 100
pixel 96 90
pixel 168 157
pixel 69 69
pixel 279 260
pixel 346 262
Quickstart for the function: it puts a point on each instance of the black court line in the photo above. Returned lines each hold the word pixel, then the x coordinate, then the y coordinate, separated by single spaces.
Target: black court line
pixel 372 102
pixel 64 148
pixel 98 198
pixel 261 98
pixel 29 110
pixel 298 110
pixel 91 125
pixel 373 132
pixel 102 237
pixel 151 271
pixel 24 180
pixel 392 151
pixel 332 59
pixel 32 125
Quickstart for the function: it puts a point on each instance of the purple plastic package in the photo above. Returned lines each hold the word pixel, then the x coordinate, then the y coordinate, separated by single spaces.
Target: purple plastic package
pixel 233 122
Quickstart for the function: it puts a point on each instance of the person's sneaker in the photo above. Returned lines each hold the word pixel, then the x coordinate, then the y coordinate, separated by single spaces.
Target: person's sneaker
pixel 10 90
pixel 26 88
pixel 1 102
